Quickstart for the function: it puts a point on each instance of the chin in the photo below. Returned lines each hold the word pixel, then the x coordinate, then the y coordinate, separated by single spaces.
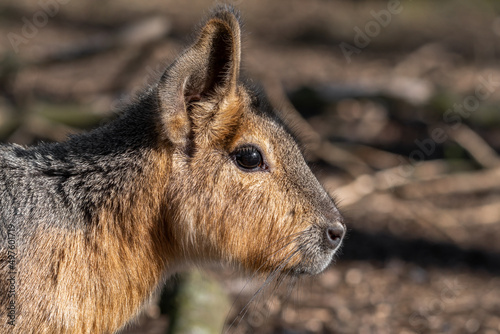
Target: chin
pixel 313 265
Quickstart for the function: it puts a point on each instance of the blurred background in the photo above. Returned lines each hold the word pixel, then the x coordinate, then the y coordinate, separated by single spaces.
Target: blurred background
pixel 397 102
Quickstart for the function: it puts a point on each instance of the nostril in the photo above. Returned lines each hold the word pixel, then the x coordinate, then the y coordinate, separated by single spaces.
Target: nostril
pixel 334 235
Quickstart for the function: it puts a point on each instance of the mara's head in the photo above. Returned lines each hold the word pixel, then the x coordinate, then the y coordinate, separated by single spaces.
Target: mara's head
pixel 239 190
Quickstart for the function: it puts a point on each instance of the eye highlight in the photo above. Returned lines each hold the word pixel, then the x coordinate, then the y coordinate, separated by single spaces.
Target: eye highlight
pixel 249 159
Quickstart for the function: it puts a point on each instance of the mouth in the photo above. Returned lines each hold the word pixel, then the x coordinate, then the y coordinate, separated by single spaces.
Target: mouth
pixel 316 250
pixel 314 265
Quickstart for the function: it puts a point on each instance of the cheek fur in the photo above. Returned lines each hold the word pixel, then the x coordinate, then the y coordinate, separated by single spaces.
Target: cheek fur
pixel 241 221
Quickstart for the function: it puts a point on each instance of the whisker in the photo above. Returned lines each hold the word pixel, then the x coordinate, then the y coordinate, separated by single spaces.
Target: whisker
pixel 256 272
pixel 270 277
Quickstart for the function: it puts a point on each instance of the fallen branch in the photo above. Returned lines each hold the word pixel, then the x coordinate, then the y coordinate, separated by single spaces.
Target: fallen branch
pixel 459 183
pixel 391 179
pixel 320 148
pixel 476 146
pixel 136 34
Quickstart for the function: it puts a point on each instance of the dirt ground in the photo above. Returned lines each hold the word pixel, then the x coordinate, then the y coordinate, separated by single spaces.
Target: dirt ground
pixel 396 101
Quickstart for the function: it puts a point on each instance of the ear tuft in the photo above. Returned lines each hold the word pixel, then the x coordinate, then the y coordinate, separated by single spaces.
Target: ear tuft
pixel 208 70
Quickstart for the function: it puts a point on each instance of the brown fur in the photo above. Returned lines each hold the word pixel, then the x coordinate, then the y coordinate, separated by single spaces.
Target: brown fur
pixel 189 203
pixel 90 274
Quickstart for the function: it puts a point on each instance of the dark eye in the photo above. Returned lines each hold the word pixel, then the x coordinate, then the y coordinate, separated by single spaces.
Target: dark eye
pixel 249 158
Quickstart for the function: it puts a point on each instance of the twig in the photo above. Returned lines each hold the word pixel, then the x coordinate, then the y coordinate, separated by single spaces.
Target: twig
pixel 486 214
pixel 476 146
pixel 136 34
pixel 460 183
pixel 319 147
pixel 390 179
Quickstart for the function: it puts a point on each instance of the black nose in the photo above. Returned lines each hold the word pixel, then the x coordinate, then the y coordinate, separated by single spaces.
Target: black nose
pixel 334 235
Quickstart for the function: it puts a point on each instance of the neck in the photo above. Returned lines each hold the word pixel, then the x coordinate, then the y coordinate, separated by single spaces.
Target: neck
pixel 129 249
pixel 102 271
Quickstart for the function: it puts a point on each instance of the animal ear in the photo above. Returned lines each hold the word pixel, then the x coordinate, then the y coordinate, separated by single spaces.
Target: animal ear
pixel 208 69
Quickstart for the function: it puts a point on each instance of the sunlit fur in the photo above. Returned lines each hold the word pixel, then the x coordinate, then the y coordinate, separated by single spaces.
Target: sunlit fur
pixel 256 219
pixel 102 218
